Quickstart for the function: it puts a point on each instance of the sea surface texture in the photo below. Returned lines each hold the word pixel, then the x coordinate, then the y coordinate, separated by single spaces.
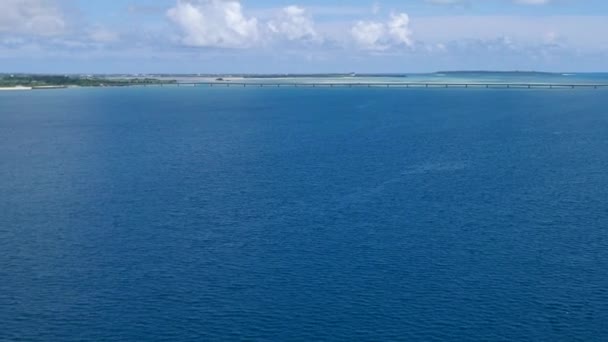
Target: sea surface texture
pixel 293 214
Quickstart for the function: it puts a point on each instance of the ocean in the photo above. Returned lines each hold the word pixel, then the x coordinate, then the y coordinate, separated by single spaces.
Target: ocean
pixel 303 214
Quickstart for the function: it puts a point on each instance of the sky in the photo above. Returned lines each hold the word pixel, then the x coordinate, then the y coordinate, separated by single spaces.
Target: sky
pixel 302 36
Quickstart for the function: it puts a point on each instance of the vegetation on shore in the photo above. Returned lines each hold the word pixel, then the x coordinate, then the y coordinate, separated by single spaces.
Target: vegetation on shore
pixel 24 80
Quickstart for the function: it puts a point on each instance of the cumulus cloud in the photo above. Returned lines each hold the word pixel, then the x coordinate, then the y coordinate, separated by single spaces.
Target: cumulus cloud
pixel 294 23
pixel 223 23
pixel 373 35
pixel 34 17
pixel 399 30
pixel 369 35
pixel 214 23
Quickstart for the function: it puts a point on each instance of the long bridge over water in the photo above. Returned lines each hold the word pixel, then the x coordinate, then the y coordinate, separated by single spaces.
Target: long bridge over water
pixel 384 85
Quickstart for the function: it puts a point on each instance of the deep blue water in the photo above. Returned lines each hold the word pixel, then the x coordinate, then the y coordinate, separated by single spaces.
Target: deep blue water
pixel 304 214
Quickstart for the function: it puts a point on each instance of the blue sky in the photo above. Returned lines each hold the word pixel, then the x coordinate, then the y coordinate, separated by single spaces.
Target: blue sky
pixel 263 36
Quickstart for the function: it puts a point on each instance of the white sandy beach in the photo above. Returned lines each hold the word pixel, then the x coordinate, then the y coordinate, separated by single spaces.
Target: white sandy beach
pixel 14 88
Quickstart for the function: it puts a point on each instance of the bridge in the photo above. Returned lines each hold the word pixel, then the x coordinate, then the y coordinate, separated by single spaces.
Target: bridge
pixel 382 85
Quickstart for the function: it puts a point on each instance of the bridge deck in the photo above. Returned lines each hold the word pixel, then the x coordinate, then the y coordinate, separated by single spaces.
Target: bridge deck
pixel 388 85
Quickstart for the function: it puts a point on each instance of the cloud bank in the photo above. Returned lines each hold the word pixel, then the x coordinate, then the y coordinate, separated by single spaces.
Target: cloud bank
pixel 35 17
pixel 227 31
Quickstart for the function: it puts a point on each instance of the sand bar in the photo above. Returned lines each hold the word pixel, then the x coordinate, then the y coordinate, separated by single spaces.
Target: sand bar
pixel 14 88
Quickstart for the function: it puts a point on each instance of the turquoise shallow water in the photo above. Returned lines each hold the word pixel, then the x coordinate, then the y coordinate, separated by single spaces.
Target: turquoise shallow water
pixel 303 214
pixel 437 77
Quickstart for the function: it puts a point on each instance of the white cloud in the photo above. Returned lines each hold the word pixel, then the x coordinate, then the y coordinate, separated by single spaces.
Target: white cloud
pixel 214 23
pixel 369 35
pixel 398 28
pixel 373 35
pixel 294 23
pixel 35 17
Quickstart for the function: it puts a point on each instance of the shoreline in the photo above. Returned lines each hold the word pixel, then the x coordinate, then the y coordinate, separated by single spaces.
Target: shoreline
pixel 18 88
pixel 337 84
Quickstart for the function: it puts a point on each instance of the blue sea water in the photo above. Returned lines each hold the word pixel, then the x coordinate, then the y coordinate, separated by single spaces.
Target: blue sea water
pixel 210 214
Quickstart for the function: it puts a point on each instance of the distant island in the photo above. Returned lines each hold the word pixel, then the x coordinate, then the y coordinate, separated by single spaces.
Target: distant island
pixel 62 81
pixel 445 79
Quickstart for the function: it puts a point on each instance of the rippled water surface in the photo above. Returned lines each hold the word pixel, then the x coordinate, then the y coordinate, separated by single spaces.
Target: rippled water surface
pixel 304 214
